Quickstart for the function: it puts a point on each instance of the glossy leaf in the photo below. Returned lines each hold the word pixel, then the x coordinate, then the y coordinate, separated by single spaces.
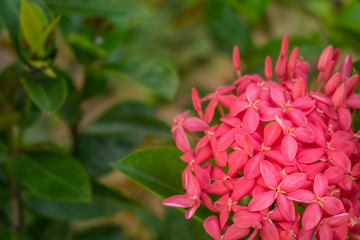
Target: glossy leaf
pixel 97 152
pixel 158 169
pixel 47 93
pixel 131 117
pixel 31 23
pixel 93 7
pixel 105 202
pixel 51 175
pixel 155 74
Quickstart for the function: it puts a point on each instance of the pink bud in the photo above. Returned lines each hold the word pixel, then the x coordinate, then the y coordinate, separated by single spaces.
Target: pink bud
pixel 339 96
pixel 328 71
pixel 196 99
pixel 236 58
pixel 351 83
pixel 285 45
pixel 345 67
pixel 268 68
pixel 299 89
pixel 332 84
pixel 293 59
pixel 281 66
pixel 325 58
pixel 336 55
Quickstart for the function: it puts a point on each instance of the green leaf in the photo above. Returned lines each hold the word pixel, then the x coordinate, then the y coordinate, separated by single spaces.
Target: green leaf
pixel 5 233
pixel 10 13
pixel 30 23
pixel 158 169
pixel 105 202
pixel 85 49
pixel 106 232
pixel 97 152
pixel 129 117
pixel 40 43
pixel 51 175
pixel 105 8
pixel 47 93
pixel 226 27
pixel 155 74
pixel 95 84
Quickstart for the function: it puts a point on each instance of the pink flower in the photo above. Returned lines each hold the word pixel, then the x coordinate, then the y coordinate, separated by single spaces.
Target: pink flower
pixel 281 162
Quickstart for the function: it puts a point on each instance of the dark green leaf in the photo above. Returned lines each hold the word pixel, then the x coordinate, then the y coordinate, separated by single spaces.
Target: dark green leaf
pixel 71 109
pixel 129 117
pixel 107 232
pixel 5 233
pixel 94 7
pixel 51 175
pixel 95 83
pixel 47 93
pixel 158 169
pixel 96 152
pixel 10 13
pixel 85 49
pixel 155 74
pixel 105 202
pixel 226 27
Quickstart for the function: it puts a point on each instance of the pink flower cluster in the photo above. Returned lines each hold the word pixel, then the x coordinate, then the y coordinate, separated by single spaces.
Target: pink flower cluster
pixel 290 152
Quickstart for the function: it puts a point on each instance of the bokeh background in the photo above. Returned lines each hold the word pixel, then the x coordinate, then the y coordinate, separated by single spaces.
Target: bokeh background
pixel 130 67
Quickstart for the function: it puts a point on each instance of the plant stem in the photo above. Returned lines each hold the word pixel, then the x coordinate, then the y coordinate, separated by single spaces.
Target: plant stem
pixel 15 206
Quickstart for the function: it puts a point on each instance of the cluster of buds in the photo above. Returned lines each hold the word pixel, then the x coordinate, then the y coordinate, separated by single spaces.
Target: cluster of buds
pixel 281 162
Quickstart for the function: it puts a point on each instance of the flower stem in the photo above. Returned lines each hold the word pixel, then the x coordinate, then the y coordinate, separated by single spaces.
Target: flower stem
pixel 15 206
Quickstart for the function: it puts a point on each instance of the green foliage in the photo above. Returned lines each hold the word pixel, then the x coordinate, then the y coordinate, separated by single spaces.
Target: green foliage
pixel 69 111
pixel 106 232
pixel 158 169
pixel 94 7
pixel 51 175
pixel 46 92
pixel 226 27
pixel 154 74
pixel 105 202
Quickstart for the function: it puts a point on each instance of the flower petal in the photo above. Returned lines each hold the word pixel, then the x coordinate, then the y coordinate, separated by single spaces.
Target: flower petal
pixel 269 231
pixel 286 207
pixel 310 155
pixel 293 182
pixel 320 185
pixel 252 167
pixel 235 233
pixel 183 201
pixel 312 216
pixel 245 218
pixel 262 200
pixel 301 195
pixel 325 232
pixel 270 174
pixel 212 227
pixel 333 205
pixel 289 147
pixel 272 132
pixel 251 120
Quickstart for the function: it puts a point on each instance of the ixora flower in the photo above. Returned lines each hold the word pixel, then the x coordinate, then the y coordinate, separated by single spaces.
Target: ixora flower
pixel 282 162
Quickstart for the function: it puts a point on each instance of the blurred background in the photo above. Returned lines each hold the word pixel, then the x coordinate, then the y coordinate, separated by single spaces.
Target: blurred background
pixel 128 68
